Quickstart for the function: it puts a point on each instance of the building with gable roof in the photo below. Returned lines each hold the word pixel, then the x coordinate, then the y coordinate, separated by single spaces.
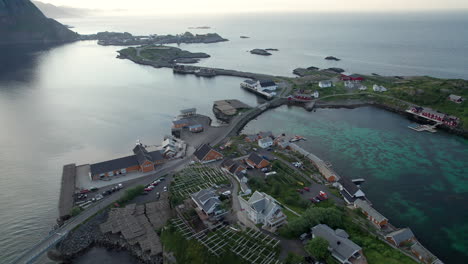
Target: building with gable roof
pixel 341 247
pixel 373 215
pixel 207 201
pixel 263 209
pixel 401 236
pixel 255 161
pixel 206 154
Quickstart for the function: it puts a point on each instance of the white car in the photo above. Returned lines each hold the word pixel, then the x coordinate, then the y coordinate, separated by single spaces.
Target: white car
pixel 98 197
pixel 165 189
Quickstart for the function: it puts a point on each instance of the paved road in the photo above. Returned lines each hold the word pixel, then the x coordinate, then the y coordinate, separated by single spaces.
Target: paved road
pixel 33 253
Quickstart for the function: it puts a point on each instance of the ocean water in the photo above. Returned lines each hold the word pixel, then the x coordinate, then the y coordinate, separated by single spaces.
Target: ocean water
pixel 78 103
pixel 416 179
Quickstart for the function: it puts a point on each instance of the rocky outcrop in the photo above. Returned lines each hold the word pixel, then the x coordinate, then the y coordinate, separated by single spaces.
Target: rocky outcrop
pixel 260 52
pixel 23 23
pixel 335 70
pixel 332 58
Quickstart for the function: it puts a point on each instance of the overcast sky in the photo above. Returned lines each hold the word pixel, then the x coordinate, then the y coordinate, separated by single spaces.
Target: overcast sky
pixel 216 6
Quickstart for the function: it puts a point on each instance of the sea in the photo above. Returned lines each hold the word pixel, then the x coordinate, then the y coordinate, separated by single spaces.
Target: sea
pixel 78 103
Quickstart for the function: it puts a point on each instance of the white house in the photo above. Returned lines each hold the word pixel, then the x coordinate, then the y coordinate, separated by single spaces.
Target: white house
pixel 325 84
pixel 316 94
pixel 362 88
pixel 265 142
pixel 263 209
pixel 262 85
pixel 378 88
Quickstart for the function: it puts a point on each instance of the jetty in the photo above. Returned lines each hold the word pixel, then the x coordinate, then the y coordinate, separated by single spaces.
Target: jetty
pixel 421 128
pixel 67 190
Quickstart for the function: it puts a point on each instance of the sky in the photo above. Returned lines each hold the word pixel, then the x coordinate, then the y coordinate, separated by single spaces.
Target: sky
pixel 225 6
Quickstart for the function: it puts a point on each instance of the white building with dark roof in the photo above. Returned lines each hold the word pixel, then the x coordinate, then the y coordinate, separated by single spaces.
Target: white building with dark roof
pixel 325 84
pixel 350 190
pixel 263 209
pixel 265 142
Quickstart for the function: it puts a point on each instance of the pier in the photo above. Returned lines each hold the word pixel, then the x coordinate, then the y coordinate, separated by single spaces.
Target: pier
pixel 67 191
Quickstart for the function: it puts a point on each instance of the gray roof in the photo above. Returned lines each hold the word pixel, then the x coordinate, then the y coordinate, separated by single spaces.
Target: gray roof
pixel 227 163
pixel 349 186
pixel 206 199
pixel 366 207
pixel 255 158
pixel 202 151
pixel 455 97
pixel 156 155
pixel 113 165
pixel 422 251
pixel 341 247
pixel 265 140
pixel 262 203
pixel 251 82
pixel 267 83
pixel 142 154
pixel 401 235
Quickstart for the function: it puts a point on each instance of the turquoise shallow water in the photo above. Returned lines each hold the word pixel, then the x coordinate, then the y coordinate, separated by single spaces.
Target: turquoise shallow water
pixel 415 179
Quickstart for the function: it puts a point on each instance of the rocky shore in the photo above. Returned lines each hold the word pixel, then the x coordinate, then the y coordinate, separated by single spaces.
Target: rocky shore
pixel 89 235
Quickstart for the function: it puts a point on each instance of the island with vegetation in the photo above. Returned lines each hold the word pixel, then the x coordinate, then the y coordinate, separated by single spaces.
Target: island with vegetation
pixel 127 39
pixel 160 56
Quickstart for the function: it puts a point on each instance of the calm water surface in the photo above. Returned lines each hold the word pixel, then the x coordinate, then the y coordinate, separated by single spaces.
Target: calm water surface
pixel 416 179
pixel 78 103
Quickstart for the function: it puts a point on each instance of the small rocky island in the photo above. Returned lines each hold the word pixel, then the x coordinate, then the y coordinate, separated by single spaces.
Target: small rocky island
pixel 160 56
pixel 244 37
pixel 260 52
pixel 127 39
pixel 332 58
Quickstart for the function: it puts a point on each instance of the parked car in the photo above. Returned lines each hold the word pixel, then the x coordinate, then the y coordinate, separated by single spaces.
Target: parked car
pixel 300 191
pixel 85 191
pixel 148 189
pixel 120 186
pixel 165 189
pixel 264 169
pixel 98 197
pixel 82 196
pixel 93 189
pixel 307 189
pixel 320 198
pixel 158 195
pixel 162 179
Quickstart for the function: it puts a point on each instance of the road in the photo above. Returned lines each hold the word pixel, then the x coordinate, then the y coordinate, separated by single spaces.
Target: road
pixel 57 235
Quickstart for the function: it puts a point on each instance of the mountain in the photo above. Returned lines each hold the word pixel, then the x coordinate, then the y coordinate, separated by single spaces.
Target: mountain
pixel 53 11
pixel 21 22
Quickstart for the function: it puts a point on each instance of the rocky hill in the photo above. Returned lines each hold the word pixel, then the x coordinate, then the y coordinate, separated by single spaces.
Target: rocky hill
pixel 21 22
